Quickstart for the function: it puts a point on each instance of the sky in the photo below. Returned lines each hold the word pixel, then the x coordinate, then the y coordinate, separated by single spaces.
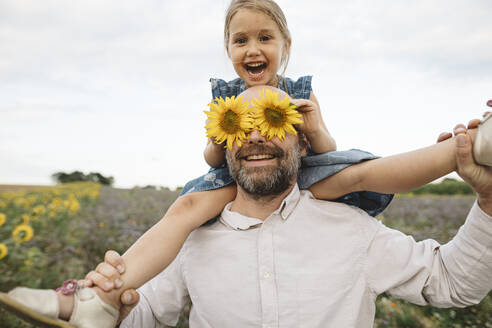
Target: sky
pixel 119 87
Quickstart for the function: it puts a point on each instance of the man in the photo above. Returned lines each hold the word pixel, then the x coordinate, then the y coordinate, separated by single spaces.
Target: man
pixel 277 257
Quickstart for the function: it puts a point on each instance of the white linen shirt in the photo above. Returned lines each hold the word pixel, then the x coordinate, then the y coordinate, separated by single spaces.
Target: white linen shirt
pixel 312 263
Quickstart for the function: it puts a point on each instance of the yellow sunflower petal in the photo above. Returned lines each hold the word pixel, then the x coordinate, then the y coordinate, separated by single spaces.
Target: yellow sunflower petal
pixel 23 228
pixel 274 117
pixel 290 129
pixel 3 250
pixel 229 119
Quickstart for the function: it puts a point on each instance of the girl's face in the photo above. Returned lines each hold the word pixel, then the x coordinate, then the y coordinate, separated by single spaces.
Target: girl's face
pixel 256 47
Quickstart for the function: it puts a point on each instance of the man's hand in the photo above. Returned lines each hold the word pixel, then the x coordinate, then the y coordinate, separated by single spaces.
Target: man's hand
pixel 471 125
pixel 107 276
pixel 477 176
pixel 460 128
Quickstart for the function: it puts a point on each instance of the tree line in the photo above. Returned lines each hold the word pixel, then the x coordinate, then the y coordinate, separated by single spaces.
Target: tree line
pixel 75 176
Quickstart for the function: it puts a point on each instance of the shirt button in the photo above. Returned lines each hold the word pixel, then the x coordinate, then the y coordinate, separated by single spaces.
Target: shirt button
pixel 266 275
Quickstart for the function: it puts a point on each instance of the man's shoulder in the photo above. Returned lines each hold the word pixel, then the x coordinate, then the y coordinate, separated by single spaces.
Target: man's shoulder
pixel 334 215
pixel 332 208
pixel 204 231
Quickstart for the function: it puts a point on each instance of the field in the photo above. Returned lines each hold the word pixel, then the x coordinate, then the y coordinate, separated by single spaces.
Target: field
pixel 48 235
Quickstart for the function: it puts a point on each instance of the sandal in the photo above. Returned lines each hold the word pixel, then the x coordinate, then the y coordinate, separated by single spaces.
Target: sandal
pixel 46 312
pixel 482 147
pixel 40 306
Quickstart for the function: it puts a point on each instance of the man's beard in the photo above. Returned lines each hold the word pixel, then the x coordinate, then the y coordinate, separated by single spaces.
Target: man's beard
pixel 265 180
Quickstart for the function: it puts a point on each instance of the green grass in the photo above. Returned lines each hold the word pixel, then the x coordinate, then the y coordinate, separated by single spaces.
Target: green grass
pixel 70 244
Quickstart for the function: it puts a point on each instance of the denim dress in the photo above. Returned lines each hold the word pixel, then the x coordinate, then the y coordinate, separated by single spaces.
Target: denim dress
pixel 314 168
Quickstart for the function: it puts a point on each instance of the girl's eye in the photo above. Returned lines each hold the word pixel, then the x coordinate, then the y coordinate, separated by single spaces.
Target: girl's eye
pixel 240 40
pixel 265 38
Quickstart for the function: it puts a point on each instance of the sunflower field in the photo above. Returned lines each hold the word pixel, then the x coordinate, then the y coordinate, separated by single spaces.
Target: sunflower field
pixel 36 230
pixel 51 234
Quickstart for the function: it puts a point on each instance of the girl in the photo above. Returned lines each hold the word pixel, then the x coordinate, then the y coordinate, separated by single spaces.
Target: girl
pixel 258 43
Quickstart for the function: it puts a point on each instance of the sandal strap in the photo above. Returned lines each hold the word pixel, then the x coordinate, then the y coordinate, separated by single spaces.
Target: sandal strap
pixel 68 287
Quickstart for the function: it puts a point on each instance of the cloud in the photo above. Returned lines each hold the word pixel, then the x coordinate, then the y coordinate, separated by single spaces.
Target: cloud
pixel 445 36
pixel 120 86
pixel 80 44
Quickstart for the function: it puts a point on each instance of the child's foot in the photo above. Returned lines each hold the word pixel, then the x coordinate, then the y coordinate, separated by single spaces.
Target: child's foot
pixel 42 307
pixel 482 147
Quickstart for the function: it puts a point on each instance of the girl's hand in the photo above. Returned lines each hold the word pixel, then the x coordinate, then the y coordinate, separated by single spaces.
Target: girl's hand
pixel 313 126
pixel 214 153
pixel 459 128
pixel 106 275
pixel 218 145
pixel 311 115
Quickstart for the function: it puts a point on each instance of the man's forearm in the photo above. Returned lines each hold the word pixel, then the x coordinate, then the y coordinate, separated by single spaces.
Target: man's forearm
pixel 485 203
pixel 468 258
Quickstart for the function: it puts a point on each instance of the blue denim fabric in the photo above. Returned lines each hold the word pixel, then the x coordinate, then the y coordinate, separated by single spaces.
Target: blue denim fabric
pixel 300 89
pixel 314 168
pixel 215 178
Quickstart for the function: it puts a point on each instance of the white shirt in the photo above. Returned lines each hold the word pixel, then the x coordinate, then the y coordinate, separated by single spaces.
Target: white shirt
pixel 312 263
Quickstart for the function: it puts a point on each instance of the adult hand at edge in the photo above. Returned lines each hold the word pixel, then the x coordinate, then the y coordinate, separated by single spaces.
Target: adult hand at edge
pixel 477 176
pixel 471 125
pixel 460 128
pixel 129 299
pixel 106 276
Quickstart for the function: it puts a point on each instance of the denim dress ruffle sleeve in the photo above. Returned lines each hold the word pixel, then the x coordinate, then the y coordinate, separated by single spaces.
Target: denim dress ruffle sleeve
pixel 315 167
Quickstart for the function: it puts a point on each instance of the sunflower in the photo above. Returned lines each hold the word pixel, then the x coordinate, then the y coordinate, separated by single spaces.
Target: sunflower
pixel 25 219
pixel 229 120
pixel 27 233
pixel 3 218
pixel 38 210
pixel 3 250
pixel 274 117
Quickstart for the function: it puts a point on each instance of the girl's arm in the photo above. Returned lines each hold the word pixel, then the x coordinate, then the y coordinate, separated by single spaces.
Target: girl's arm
pixel 393 174
pixel 167 236
pixel 159 245
pixel 313 127
pixel 214 154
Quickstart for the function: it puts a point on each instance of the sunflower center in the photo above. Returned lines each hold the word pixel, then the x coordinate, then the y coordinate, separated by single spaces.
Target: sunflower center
pixel 20 236
pixel 275 117
pixel 230 123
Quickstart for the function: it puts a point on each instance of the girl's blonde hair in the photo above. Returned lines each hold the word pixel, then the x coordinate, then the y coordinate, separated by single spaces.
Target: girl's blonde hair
pixel 267 7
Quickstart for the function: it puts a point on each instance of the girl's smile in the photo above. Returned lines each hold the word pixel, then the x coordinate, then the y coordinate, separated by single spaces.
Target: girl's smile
pixel 256 70
pixel 255 47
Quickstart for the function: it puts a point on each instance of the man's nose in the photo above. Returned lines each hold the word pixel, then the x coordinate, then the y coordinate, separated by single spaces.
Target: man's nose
pixel 255 137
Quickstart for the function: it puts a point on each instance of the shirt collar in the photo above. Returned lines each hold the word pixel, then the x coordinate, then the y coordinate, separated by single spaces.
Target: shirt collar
pixel 241 222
